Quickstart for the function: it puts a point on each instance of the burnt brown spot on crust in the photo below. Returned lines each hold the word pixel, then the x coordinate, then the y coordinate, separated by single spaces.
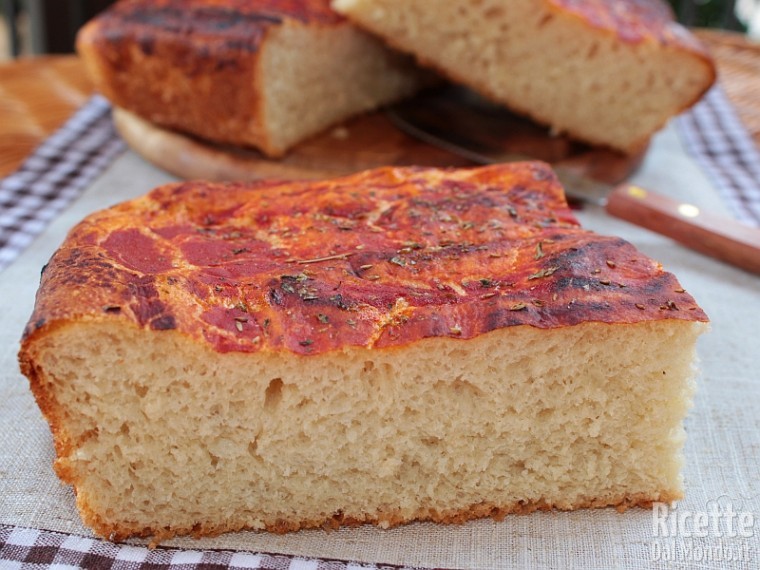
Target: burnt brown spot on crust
pixel 32 327
pixel 236 30
pixel 237 26
pixel 163 323
pixel 145 301
pixel 146 42
pixel 193 19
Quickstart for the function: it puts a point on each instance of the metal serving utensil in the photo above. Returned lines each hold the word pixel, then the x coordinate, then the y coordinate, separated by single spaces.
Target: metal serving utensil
pixel 457 120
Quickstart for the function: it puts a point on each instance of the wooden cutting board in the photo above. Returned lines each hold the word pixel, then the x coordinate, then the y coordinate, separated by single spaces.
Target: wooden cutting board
pixel 366 142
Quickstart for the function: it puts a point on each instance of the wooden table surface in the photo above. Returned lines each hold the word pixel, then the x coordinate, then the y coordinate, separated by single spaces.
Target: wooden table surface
pixel 37 95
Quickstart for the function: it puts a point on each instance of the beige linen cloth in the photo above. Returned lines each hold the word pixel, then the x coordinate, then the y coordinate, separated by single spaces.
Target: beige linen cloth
pixel 722 471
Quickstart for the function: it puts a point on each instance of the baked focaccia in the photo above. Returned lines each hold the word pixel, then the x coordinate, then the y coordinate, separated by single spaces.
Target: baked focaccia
pixel 401 344
pixel 608 72
pixel 262 73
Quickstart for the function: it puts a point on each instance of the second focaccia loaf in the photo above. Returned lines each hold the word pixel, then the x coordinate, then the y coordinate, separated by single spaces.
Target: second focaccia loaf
pixel 396 345
pixel 609 72
pixel 258 73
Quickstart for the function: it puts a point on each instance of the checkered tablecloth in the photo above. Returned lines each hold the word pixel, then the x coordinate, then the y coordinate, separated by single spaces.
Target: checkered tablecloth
pixel 25 548
pixel 67 163
pixel 715 136
pixel 54 175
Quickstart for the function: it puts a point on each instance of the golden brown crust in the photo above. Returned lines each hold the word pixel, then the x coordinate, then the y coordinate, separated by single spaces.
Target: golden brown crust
pixel 193 65
pixel 378 259
pixel 116 532
pixel 642 22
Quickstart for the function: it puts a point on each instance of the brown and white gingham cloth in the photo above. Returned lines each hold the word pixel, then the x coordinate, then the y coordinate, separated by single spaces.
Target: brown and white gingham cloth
pixel 715 136
pixel 54 175
pixel 68 161
pixel 28 549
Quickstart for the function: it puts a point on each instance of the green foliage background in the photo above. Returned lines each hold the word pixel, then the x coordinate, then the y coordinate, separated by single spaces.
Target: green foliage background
pixel 707 13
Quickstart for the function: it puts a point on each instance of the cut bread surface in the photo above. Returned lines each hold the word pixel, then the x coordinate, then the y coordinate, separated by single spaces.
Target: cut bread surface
pixel 315 78
pixel 609 73
pixel 397 345
pixel 164 437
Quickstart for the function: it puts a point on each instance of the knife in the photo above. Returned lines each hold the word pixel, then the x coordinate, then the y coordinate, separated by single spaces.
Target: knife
pixel 459 121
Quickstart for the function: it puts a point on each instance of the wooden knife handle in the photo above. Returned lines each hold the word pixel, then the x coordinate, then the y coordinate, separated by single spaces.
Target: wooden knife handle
pixel 720 237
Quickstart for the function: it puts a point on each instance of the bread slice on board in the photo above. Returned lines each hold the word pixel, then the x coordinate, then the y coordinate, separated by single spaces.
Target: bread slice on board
pixel 608 72
pixel 259 73
pixel 398 345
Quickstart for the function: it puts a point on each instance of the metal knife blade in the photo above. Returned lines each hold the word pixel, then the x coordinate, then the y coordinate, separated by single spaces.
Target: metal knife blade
pixel 460 121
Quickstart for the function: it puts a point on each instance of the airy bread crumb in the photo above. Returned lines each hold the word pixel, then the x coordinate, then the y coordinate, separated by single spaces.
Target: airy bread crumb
pixel 165 437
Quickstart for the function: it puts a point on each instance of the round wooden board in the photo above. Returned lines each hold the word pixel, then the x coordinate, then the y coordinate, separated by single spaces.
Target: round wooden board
pixel 368 141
